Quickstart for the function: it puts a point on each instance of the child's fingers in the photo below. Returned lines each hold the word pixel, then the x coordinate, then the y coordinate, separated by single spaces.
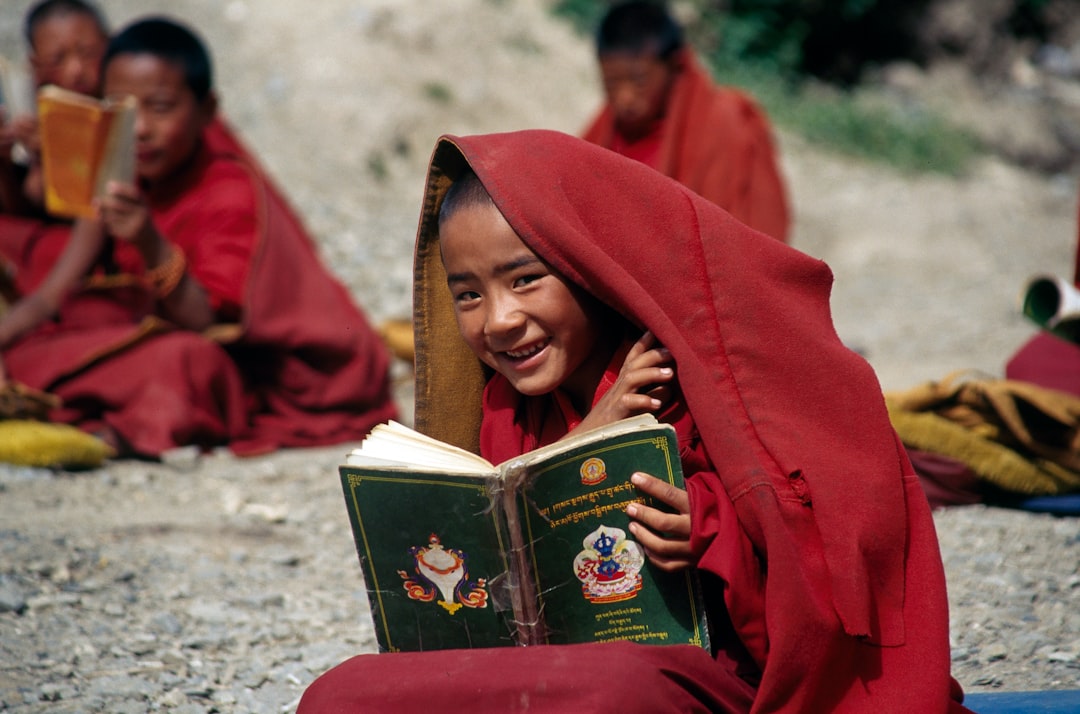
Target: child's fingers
pixel 662 491
pixel 674 526
pixel 638 403
pixel 664 552
pixel 665 536
pixel 125 192
pixel 648 357
pixel 642 344
pixel 660 393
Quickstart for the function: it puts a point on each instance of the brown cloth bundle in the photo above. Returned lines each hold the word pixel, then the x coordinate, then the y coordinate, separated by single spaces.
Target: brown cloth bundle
pixel 17 401
pixel 1020 437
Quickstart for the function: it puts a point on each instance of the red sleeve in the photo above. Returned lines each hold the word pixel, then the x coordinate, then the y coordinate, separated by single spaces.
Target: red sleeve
pixel 218 233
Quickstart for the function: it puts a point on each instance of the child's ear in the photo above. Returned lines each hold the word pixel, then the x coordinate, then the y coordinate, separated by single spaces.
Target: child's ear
pixel 208 108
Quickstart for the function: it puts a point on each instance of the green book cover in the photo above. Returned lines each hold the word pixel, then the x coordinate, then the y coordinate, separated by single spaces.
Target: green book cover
pixel 456 552
pixel 433 560
pixel 593 581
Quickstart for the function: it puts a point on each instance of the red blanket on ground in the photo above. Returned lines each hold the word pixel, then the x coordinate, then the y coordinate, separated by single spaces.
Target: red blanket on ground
pixel 813 520
pixel 718 143
pixel 305 368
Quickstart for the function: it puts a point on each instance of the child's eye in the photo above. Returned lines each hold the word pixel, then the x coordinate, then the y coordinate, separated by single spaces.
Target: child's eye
pixel 466 296
pixel 527 279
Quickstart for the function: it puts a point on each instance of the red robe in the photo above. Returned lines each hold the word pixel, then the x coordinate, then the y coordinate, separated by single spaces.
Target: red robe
pixel 812 518
pixel 716 141
pixel 307 368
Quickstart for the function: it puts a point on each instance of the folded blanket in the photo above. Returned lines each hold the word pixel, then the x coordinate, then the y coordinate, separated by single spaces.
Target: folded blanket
pixel 1022 438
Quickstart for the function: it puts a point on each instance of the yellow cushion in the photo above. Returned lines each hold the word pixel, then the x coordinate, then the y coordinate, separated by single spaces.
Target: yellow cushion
pixel 34 443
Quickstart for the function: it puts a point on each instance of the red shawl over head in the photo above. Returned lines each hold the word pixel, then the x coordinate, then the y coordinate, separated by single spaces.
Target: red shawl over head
pixel 718 143
pixel 793 421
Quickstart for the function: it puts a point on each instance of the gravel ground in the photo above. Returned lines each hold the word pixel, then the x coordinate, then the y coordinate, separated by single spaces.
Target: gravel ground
pixel 212 584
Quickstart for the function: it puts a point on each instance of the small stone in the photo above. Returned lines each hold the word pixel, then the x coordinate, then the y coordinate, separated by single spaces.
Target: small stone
pixel 183 458
pixel 12 597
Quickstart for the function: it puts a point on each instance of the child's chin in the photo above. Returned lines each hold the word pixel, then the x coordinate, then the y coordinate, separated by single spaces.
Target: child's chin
pixel 533 389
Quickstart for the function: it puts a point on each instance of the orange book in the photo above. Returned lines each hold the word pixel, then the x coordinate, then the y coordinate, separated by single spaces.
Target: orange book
pixel 85 143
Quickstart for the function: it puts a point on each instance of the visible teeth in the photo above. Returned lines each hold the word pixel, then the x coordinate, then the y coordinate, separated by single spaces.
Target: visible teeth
pixel 524 353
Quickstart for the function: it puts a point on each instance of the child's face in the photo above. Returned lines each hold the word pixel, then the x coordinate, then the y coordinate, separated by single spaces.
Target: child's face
pixel 637 87
pixel 67 51
pixel 518 316
pixel 169 121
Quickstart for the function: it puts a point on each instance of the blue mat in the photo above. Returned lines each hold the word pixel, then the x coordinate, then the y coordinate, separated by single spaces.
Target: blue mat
pixel 1048 701
pixel 1064 505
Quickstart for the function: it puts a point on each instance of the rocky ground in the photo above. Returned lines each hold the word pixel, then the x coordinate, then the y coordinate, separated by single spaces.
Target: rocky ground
pixel 213 584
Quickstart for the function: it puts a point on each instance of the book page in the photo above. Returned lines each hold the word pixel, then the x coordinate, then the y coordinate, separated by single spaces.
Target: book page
pixel 17 99
pixel 118 155
pixel 16 89
pixel 623 426
pixel 395 443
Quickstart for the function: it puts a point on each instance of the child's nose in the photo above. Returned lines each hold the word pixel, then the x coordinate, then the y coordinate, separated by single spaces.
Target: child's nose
pixel 74 72
pixel 504 314
pixel 142 126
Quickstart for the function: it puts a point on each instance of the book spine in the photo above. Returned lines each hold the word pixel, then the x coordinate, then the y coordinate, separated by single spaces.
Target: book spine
pixel 522 588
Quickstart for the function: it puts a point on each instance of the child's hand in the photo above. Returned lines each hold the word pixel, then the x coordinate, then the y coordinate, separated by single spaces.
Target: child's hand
pixel 641 386
pixel 664 536
pixel 126 216
pixel 25 131
pixel 7 136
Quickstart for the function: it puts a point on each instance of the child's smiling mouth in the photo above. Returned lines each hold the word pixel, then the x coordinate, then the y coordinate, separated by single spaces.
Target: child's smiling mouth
pixel 524 353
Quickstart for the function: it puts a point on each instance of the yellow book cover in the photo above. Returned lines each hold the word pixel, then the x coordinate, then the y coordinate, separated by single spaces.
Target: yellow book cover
pixel 85 143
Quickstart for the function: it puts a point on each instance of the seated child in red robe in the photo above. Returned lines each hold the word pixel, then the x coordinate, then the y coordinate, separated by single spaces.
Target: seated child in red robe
pixel 139 353
pixel 66 40
pixel 663 109
pixel 584 287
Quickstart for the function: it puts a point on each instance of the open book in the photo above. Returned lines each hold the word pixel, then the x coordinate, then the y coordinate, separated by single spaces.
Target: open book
pixel 457 552
pixel 1053 303
pixel 85 143
pixel 16 98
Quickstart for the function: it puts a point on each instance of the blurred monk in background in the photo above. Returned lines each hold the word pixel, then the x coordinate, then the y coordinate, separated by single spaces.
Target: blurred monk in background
pixel 663 109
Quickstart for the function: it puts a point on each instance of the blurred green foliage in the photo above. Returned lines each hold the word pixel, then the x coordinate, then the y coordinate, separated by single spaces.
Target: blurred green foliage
pixel 775 50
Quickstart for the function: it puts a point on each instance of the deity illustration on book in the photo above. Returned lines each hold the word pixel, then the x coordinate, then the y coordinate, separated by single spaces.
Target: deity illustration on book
pixel 610 566
pixel 438 570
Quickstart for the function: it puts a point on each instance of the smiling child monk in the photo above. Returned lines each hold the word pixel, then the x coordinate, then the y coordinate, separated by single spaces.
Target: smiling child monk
pixel 208 318
pixel 560 286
